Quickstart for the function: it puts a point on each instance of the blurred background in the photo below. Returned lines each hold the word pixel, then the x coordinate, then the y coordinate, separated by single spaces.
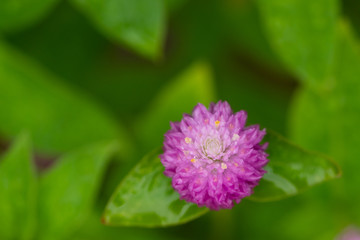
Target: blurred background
pixel 76 72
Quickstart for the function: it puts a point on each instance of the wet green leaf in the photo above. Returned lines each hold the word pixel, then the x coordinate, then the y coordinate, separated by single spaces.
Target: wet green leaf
pixel 68 190
pixel 180 96
pixel 58 118
pixel 303 32
pixel 146 198
pixel 18 190
pixel 15 15
pixel 291 170
pixel 140 24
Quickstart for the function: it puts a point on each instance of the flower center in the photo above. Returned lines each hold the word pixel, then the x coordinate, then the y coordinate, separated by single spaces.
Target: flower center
pixel 212 147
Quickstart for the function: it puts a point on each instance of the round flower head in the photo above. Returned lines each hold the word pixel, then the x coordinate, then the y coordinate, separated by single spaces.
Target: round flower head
pixel 212 158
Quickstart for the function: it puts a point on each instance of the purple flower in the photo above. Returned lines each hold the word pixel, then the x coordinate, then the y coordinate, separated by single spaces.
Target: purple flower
pixel 212 158
pixel 349 233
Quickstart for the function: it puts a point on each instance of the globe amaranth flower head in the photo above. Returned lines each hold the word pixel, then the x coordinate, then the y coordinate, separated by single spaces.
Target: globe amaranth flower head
pixel 212 158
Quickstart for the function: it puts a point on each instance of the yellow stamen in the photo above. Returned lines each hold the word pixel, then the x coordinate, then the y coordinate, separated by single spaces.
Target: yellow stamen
pixel 223 166
pixel 193 160
pixel 217 123
pixel 188 140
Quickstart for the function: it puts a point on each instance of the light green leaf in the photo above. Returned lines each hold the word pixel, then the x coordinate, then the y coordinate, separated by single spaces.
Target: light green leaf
pixel 146 198
pixel 328 120
pixel 58 118
pixel 17 14
pixel 291 170
pixel 311 117
pixel 140 24
pixel 193 86
pixel 68 190
pixel 303 34
pixel 18 190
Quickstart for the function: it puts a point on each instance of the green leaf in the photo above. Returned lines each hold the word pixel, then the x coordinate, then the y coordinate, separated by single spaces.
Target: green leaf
pixel 291 170
pixel 18 190
pixel 246 31
pixel 15 15
pixel 331 117
pixel 140 24
pixel 68 190
pixel 180 96
pixel 328 120
pixel 58 118
pixel 173 5
pixel 303 33
pixel 311 118
pixel 146 198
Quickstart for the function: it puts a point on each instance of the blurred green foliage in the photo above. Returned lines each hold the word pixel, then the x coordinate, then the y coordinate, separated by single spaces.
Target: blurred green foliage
pixel 303 34
pixel 19 188
pixel 94 79
pixel 334 114
pixel 16 15
pixel 139 23
pixel 68 190
pixel 35 100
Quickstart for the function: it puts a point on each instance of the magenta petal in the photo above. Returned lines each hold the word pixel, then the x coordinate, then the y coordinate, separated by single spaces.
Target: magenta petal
pixel 212 158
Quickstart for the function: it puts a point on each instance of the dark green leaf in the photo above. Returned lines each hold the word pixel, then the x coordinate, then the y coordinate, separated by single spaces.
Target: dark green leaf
pixel 58 118
pixel 146 198
pixel 303 34
pixel 173 5
pixel 15 15
pixel 180 96
pixel 140 24
pixel 68 190
pixel 245 27
pixel 18 190
pixel 291 170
